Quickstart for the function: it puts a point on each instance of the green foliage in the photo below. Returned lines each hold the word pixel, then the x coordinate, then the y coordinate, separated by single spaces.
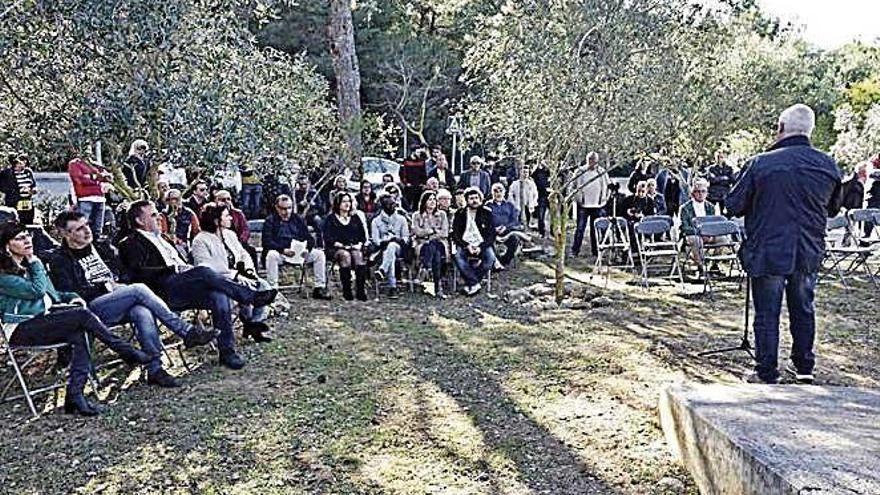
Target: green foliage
pixel 186 76
pixel 864 94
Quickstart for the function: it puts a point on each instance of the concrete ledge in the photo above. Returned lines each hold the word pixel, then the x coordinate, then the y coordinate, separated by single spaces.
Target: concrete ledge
pixel 775 439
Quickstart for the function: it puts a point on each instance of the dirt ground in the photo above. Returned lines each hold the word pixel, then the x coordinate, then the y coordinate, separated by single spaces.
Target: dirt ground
pixel 416 396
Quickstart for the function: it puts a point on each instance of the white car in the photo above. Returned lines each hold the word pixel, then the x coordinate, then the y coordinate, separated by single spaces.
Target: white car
pixel 375 169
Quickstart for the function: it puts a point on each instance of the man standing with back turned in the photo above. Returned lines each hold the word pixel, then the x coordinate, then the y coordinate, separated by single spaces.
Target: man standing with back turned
pixel 786 195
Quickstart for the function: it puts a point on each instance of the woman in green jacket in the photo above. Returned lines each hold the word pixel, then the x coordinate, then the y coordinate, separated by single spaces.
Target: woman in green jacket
pixel 27 297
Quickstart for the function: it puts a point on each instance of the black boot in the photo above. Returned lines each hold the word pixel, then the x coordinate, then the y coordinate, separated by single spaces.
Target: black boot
pixel 256 330
pixel 74 401
pixel 360 281
pixel 345 278
pixel 121 347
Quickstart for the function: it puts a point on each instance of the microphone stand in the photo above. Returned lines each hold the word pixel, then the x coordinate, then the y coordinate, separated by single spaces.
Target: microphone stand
pixel 744 345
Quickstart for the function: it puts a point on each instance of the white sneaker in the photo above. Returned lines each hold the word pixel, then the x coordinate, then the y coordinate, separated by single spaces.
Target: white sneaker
pixel 281 303
pixel 472 290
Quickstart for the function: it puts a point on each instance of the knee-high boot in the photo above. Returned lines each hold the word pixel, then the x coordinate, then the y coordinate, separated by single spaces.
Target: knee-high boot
pixel 345 278
pixel 360 280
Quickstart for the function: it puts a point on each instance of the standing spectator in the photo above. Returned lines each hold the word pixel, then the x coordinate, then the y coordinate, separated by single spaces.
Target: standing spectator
pixel 308 202
pixel 672 184
pixel 366 199
pixel 442 172
pixel 199 193
pixel 474 236
pixel 475 177
pixel 431 163
pixel 178 222
pixel 390 235
pixel 721 178
pixel 430 229
pixel 274 186
pixel 505 219
pixel 854 188
pixel 137 166
pixel 281 231
pixel 659 199
pixel 873 202
pixel 786 196
pixel 541 175
pixel 18 186
pixel 88 180
pixel 340 185
pixel 641 173
pixel 523 193
pixel 251 191
pixel 591 184
pixel 491 168
pixel 413 174
pixel 432 185
pixel 162 187
pixel 344 239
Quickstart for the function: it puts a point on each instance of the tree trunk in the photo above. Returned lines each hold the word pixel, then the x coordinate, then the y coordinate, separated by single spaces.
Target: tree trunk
pixel 559 227
pixel 348 79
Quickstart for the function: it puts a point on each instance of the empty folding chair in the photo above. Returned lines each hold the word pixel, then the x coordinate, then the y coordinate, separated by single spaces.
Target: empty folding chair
pixel 726 237
pixel 843 253
pixel 613 248
pixel 653 240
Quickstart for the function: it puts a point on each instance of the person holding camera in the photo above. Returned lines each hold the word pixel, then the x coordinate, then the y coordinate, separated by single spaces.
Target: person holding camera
pixel 93 271
pixel 218 248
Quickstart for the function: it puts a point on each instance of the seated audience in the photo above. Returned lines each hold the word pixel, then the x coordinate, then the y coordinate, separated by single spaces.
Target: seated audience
pixel 152 260
pixel 92 269
pixel 637 206
pixel 430 230
pixel 474 236
pixel 390 236
pixel 344 239
pixel 286 239
pixel 505 219
pixel 239 222
pixel 444 204
pixel 199 194
pixel 217 247
pixel 18 185
pixel 27 297
pixel 658 199
pixel 366 199
pixel 696 207
pixel 178 222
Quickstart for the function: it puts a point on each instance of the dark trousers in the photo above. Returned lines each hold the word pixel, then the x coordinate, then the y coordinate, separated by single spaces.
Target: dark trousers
pixel 585 217
pixel 541 212
pixel 203 288
pixel 63 327
pixel 767 291
pixel 432 254
pixel 512 244
pixel 251 200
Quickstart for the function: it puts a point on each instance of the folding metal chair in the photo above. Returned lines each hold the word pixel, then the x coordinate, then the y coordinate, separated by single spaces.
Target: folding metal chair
pixel 653 240
pixel 845 253
pixel 20 367
pixel 862 225
pixel 714 253
pixel 613 248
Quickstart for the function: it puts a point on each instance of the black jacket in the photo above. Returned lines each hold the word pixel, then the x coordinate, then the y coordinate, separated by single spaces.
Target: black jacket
pixel 449 184
pixel 721 178
pixel 853 194
pixel 143 262
pixel 272 238
pixel 786 196
pixel 68 275
pixel 484 224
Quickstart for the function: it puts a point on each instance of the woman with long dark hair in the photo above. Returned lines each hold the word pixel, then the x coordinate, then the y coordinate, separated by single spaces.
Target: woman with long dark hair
pixel 217 247
pixel 430 228
pixel 27 297
pixel 344 239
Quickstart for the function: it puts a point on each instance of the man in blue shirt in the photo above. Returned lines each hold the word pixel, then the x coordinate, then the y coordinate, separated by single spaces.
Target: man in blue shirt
pixel 505 219
pixel 786 195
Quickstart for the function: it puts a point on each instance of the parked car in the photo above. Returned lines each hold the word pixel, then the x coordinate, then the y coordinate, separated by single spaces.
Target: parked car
pixel 374 169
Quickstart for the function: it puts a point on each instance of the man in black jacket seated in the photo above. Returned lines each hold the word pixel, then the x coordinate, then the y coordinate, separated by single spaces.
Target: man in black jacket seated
pixel 474 235
pixel 92 270
pixel 279 231
pixel 152 260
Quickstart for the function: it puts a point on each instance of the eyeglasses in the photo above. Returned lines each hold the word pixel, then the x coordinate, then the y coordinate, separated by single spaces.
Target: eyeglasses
pixel 201 189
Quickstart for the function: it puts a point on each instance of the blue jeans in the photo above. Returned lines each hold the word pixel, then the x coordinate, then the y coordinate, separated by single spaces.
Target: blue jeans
pixel 585 218
pixel 203 288
pixel 431 255
pixel 251 198
pixel 139 305
pixel 471 275
pixel 799 289
pixel 94 211
pixel 249 313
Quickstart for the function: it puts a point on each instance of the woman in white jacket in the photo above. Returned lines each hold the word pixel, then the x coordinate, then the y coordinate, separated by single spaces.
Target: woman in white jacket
pixel 523 193
pixel 217 247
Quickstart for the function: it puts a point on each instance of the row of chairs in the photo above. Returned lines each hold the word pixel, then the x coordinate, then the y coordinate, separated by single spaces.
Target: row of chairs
pixel 850 243
pixel 656 246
